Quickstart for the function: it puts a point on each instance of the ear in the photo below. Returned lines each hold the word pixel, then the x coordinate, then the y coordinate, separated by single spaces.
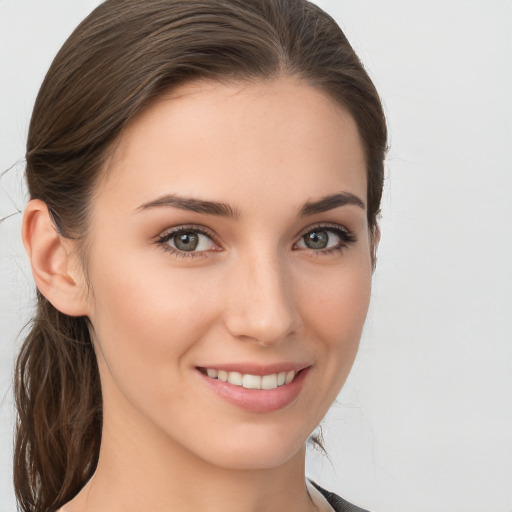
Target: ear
pixel 55 265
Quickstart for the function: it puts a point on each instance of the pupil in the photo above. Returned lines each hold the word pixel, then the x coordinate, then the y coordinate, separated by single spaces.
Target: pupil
pixel 186 241
pixel 316 240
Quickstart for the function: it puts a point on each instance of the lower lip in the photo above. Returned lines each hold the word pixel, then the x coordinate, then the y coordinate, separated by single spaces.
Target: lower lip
pixel 257 400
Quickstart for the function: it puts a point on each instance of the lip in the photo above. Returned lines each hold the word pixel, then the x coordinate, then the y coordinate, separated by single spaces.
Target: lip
pixel 257 400
pixel 258 369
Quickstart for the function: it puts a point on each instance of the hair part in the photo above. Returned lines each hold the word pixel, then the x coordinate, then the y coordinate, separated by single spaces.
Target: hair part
pixel 124 55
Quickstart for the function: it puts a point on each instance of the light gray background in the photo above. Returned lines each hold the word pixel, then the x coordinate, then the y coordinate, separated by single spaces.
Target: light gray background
pixel 424 423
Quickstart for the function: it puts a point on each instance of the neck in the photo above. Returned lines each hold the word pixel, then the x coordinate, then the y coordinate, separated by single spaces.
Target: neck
pixel 142 469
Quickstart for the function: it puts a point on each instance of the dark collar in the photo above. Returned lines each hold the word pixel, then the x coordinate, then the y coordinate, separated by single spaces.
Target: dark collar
pixel 338 503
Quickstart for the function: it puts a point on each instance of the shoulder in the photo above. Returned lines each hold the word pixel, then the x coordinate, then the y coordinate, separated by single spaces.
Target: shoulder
pixel 338 503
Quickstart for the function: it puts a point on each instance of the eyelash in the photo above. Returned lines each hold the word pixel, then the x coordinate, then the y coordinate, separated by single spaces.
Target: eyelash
pixel 168 235
pixel 346 238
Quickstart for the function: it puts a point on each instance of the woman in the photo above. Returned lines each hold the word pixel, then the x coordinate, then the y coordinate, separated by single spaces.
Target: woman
pixel 205 180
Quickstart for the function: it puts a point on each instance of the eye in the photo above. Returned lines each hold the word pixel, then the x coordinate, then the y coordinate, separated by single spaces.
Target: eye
pixel 326 239
pixel 186 241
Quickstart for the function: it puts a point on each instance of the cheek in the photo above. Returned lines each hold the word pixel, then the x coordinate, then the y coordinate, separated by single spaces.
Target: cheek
pixel 146 321
pixel 335 313
pixel 337 304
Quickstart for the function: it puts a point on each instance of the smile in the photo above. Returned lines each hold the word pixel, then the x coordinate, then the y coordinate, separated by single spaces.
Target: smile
pixel 248 381
pixel 241 386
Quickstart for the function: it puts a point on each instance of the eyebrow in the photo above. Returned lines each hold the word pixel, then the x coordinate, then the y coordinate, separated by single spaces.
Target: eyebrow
pixel 194 205
pixel 225 210
pixel 330 203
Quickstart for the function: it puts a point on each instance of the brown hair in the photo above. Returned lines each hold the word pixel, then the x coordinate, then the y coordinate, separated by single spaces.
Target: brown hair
pixel 121 57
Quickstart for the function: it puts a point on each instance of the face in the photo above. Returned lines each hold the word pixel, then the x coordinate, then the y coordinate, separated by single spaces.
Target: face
pixel 229 269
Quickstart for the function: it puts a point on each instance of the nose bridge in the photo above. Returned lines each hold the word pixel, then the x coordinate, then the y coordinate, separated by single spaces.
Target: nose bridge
pixel 263 305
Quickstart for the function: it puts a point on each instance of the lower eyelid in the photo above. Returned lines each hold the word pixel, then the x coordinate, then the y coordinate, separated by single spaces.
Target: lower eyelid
pixel 184 254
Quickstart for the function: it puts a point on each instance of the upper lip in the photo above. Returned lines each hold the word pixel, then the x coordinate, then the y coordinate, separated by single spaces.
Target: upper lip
pixel 257 369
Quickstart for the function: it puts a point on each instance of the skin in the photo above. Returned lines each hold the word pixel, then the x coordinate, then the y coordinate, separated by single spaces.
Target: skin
pixel 255 293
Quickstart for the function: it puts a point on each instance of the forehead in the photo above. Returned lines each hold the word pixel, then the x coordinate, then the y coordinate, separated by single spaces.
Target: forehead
pixel 234 141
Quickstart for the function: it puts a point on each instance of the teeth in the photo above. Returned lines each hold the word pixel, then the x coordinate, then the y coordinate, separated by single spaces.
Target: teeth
pixel 235 378
pixel 252 381
pixel 269 381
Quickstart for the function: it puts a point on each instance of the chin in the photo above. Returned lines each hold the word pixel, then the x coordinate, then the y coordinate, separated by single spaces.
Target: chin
pixel 256 456
pixel 250 447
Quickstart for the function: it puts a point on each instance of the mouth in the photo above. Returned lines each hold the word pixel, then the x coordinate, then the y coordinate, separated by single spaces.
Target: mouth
pixel 256 389
pixel 250 381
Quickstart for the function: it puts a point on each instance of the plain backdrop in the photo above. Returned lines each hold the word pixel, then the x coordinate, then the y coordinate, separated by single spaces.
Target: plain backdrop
pixel 424 423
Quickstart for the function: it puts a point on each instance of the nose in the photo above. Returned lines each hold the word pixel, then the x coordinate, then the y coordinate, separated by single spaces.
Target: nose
pixel 262 303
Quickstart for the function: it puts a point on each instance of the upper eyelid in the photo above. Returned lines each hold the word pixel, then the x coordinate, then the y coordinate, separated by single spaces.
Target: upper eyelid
pixel 207 231
pixel 323 225
pixel 188 227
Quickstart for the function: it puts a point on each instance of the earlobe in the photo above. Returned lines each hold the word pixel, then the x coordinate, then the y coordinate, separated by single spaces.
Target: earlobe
pixel 53 263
